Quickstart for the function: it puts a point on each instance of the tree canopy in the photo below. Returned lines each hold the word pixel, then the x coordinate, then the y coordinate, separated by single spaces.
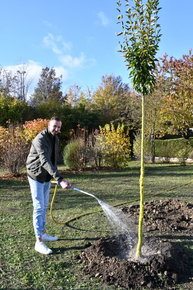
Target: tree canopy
pixel 140 33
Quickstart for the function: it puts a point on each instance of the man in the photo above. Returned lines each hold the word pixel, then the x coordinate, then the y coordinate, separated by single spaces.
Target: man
pixel 41 168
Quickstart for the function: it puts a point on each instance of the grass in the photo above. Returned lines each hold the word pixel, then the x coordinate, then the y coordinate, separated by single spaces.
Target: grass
pixel 22 268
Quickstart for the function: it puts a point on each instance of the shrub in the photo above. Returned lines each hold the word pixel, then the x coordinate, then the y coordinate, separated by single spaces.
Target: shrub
pixel 113 145
pixel 13 148
pixel 32 128
pixel 180 148
pixel 137 146
pixel 15 143
pixel 169 148
pixel 74 154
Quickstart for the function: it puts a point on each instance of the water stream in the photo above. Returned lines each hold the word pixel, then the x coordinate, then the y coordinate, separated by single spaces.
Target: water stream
pixel 122 225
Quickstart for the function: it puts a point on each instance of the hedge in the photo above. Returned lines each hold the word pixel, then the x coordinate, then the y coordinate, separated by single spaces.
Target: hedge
pixel 174 148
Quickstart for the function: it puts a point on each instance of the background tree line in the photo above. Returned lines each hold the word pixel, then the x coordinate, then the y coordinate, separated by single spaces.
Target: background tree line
pixel 169 109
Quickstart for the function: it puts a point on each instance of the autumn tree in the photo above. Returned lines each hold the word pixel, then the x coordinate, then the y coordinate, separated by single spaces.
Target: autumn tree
pixel 139 44
pixel 76 97
pixel 169 108
pixel 111 98
pixel 176 111
pixel 48 88
pixel 154 103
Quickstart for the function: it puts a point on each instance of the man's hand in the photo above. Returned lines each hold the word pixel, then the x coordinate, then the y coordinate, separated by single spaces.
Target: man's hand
pixel 65 184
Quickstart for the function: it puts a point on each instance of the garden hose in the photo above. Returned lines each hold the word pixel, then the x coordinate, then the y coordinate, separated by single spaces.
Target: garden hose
pixel 97 211
pixel 70 219
pixel 73 218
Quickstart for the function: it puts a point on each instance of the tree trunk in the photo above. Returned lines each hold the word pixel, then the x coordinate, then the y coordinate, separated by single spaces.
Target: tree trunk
pixel 152 142
pixel 141 211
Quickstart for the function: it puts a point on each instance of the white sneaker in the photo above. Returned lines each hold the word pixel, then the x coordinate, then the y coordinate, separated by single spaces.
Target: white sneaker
pixel 46 237
pixel 42 248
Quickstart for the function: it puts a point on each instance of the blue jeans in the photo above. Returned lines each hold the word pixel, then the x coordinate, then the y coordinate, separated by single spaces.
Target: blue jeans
pixel 40 196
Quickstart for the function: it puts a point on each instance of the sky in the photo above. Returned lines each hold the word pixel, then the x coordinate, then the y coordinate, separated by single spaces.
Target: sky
pixel 78 38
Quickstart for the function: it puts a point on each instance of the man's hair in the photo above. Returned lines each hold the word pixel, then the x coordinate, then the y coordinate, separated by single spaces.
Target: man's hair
pixel 56 119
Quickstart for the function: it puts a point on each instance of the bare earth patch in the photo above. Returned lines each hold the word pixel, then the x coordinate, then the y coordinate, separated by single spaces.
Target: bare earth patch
pixel 163 263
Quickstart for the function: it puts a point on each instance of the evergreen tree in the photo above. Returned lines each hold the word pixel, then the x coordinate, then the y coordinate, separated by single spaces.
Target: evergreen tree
pixel 48 88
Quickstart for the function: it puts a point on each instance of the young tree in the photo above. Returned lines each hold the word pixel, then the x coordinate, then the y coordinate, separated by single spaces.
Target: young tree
pixel 48 88
pixel 140 37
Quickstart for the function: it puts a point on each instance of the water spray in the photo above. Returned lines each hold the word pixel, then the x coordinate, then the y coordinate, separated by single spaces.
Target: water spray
pixel 121 224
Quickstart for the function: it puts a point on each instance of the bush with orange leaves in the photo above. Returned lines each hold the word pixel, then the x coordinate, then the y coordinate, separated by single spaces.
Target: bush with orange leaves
pixel 13 148
pixel 32 128
pixel 15 142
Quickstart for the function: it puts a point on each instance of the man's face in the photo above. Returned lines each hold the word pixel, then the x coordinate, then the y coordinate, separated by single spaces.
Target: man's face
pixel 54 127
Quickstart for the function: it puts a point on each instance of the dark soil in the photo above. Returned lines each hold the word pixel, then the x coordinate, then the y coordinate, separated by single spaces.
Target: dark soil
pixel 163 262
pixel 165 215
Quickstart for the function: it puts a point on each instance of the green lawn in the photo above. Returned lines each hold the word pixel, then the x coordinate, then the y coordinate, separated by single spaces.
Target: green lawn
pixel 22 268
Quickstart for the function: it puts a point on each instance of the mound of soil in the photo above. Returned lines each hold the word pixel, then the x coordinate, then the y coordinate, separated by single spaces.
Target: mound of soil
pixel 165 215
pixel 162 264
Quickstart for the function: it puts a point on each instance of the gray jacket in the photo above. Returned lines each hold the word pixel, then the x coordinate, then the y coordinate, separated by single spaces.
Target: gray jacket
pixel 39 164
